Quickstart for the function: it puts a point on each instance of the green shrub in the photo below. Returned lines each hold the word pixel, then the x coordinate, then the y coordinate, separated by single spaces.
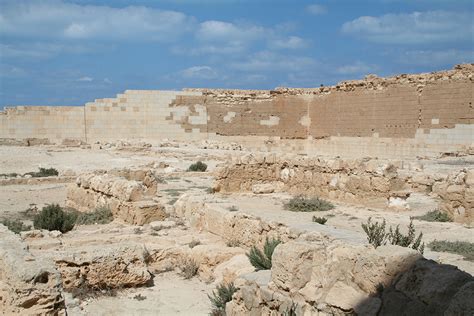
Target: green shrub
pixel 101 215
pixel 375 232
pixel 220 297
pixel 462 248
pixel 395 237
pixel 377 236
pixel 262 260
pixel 434 216
pixel 320 220
pixel 198 166
pixel 16 225
pixel 302 204
pixel 52 217
pixel 44 172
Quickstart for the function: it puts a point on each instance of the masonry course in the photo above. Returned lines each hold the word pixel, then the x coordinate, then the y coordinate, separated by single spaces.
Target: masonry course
pixel 405 115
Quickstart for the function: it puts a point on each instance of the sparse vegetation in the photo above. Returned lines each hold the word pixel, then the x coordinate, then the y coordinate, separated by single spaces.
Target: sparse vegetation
pixel 463 248
pixel 233 208
pixel 101 215
pixel 220 297
pixel 395 237
pixel 53 217
pixel 377 235
pixel 290 311
pixel 434 216
pixel 303 204
pixel 9 175
pixel 210 190
pixel 262 260
pixel 43 172
pixel 194 243
pixel 139 297
pixel 375 232
pixel 198 166
pixel 86 291
pixel 320 220
pixel 233 243
pixel 189 268
pixel 17 226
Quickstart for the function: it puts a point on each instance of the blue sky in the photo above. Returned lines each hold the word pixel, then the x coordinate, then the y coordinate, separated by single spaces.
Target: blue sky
pixel 71 52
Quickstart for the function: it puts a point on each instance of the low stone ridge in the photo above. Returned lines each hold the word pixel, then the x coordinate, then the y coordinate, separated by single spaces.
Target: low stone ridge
pixel 116 267
pixel 128 194
pixel 28 285
pixel 350 180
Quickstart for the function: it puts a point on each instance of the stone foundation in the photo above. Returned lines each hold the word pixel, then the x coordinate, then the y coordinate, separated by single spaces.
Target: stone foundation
pixel 128 193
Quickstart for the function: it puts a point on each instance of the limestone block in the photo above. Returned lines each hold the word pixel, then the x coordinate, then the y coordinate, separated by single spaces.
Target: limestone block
pixel 28 285
pixel 263 188
pixel 292 264
pixel 125 266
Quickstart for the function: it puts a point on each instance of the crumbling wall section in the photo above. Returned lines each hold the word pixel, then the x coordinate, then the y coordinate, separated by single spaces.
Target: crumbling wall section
pixel 129 200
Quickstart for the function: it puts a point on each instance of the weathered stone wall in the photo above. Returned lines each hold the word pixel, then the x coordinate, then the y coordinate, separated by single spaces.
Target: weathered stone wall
pixel 406 115
pixel 128 194
pixel 374 182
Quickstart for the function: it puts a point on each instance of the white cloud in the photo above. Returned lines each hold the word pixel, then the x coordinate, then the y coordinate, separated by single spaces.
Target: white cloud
pixel 85 79
pixel 358 67
pixel 270 61
pixel 43 50
pixel 316 9
pixel 218 31
pixel 199 72
pixel 291 42
pixel 57 19
pixel 436 58
pixel 413 28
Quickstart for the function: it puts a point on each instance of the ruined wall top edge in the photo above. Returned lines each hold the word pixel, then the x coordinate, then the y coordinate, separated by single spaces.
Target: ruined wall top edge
pixel 459 72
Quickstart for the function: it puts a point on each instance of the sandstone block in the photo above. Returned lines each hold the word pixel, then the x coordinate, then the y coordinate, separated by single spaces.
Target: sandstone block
pixel 263 188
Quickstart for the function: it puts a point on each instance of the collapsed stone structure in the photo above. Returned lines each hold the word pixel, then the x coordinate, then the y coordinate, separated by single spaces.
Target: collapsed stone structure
pixel 366 181
pixel 402 116
pixel 128 193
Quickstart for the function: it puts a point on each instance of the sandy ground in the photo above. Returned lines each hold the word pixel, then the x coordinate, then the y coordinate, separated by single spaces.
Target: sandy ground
pixel 170 294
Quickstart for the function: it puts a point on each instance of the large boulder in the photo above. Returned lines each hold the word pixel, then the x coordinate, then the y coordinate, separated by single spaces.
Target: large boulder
pixel 28 285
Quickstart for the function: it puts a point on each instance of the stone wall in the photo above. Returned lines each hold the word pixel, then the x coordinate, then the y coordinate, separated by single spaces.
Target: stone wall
pixel 128 194
pixel 406 115
pixel 374 182
pixel 55 123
